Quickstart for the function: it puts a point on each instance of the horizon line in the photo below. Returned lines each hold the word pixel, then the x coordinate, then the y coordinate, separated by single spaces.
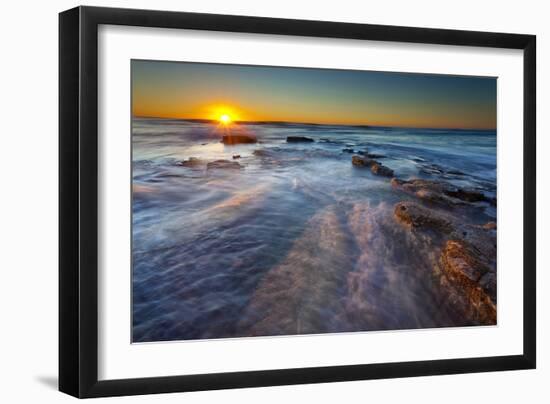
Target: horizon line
pixel 362 125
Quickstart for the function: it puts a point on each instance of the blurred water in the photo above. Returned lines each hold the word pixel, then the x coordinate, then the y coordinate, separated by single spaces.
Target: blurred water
pixel 298 240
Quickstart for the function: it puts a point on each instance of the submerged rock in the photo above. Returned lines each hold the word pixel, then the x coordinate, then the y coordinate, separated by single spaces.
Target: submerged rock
pixel 299 139
pixel 223 164
pixel 238 139
pixel 381 170
pixel 191 162
pixel 301 295
pixel 348 150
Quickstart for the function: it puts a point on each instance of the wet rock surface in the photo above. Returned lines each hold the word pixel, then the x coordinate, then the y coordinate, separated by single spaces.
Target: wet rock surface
pixel 376 167
pixel 238 139
pixel 466 271
pixel 381 170
pixel 441 192
pixel 467 263
pixel 417 216
pixel 362 161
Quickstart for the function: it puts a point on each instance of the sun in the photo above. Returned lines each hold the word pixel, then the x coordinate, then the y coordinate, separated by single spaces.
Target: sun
pixel 225 119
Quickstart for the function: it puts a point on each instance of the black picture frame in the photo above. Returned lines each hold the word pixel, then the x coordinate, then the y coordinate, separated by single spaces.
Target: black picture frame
pixel 78 201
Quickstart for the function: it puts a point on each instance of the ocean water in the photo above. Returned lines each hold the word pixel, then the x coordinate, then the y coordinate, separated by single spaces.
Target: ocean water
pixel 298 241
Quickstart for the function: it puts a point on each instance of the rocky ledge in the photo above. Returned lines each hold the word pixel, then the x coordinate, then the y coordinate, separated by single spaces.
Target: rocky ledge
pixel 467 258
pixel 441 192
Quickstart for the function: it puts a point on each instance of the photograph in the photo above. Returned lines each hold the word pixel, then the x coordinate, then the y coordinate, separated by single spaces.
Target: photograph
pixel 276 201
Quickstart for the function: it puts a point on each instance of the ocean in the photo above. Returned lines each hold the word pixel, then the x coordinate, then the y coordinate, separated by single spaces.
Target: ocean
pixel 297 240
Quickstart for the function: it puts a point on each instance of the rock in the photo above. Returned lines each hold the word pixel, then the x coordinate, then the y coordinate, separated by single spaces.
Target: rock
pixel 223 164
pixel 440 192
pixel 381 170
pixel 191 162
pixel 416 216
pixel 467 261
pixel 482 240
pixel 466 268
pixel 360 161
pixel 238 139
pixel 466 271
pixel 375 156
pixel 396 182
pixel 375 166
pixel 299 139
pixel 468 195
pixel 236 156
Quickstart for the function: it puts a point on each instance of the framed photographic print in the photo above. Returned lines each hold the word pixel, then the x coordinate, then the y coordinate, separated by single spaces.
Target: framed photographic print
pixel 251 201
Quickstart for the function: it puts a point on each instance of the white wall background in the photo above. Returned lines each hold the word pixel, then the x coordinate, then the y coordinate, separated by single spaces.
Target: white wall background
pixel 28 202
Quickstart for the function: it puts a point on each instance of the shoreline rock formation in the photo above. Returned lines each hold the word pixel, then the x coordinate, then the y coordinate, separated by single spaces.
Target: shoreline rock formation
pixel 441 192
pixel 467 262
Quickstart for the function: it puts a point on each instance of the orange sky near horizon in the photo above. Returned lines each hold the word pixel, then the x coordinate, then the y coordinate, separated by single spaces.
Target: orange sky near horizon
pixel 252 93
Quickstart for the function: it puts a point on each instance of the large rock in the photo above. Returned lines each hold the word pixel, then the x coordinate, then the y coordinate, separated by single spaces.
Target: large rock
pixel 381 170
pixel 238 139
pixel 298 139
pixel 223 164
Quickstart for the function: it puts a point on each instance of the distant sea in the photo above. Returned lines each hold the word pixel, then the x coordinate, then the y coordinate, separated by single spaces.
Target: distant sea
pixel 298 240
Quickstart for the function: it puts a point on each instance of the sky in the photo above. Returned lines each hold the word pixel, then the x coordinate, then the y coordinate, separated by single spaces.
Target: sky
pixel 326 96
